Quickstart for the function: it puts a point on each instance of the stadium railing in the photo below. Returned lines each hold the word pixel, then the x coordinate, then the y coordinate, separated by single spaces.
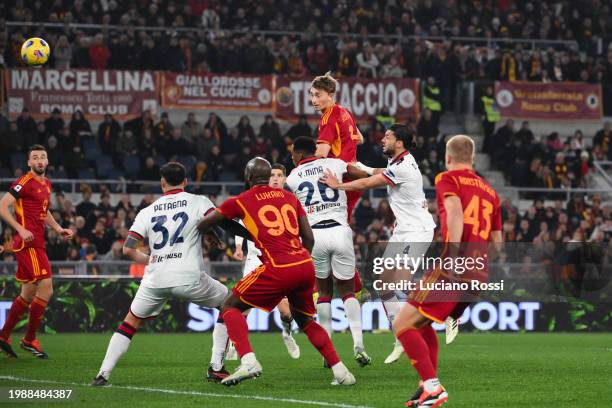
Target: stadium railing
pixel 604 169
pixel 488 42
pixel 228 188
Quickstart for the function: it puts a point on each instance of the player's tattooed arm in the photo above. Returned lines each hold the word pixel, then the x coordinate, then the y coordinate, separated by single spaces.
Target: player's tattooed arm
pixel 306 233
pixel 130 249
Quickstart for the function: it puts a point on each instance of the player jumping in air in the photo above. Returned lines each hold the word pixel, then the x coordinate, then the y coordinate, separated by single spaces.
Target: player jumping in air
pixel 414 225
pixel 277 180
pixel 338 137
pixel 276 221
pixel 470 212
pixel 175 267
pixel 30 197
pixel 333 253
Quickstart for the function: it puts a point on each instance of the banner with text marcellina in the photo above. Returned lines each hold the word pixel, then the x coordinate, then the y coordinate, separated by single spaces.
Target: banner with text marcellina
pixel 552 101
pixel 123 94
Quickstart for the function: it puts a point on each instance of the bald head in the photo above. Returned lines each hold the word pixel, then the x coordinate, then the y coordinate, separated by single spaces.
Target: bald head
pixel 460 150
pixel 257 171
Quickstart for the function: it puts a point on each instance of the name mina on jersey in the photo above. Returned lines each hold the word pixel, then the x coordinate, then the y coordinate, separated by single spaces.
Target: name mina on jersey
pixel 170 223
pixel 320 202
pixel 406 196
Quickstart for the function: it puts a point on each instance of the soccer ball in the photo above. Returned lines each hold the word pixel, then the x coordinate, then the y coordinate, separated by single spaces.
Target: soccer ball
pixel 35 52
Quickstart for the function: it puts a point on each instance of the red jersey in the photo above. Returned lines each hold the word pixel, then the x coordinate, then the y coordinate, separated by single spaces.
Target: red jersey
pixel 337 128
pixel 271 217
pixel 480 202
pixel 31 207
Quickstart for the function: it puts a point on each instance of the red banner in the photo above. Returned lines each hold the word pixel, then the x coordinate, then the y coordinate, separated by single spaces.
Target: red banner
pixel 124 94
pixel 212 91
pixel 363 97
pixel 553 101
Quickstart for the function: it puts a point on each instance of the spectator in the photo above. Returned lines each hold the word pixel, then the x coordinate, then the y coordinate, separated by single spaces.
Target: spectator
pixel 216 126
pixel 54 123
pixel 85 207
pixel 163 128
pixel 301 128
pixel 367 62
pixel 108 134
pixel 74 161
pixel 391 69
pixel 270 131
pixel 79 127
pixel 99 54
pixel 126 145
pixel 62 53
pixel 174 57
pixel 204 144
pixel 245 130
pixel 427 127
pixel 177 145
pixel 191 130
pixel 150 170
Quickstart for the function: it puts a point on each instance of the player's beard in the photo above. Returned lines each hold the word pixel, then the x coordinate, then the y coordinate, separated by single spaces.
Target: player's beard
pixel 38 172
pixel 389 152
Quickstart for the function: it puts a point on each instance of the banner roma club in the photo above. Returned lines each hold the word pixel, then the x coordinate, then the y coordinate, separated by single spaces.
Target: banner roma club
pixel 123 94
pixel 216 91
pixel 362 96
pixel 553 101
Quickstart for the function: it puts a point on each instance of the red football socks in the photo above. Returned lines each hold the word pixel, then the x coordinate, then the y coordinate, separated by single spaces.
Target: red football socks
pixel 237 330
pixel 37 309
pixel 320 339
pixel 417 350
pixel 430 337
pixel 17 310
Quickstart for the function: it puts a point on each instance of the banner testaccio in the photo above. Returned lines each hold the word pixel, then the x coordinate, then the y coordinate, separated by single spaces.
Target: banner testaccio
pixel 552 101
pixel 123 94
pixel 364 97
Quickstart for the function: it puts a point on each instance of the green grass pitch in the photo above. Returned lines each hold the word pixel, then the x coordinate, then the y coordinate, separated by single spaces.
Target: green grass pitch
pixel 478 370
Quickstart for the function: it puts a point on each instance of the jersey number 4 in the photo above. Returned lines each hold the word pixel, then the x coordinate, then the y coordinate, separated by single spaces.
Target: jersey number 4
pixel 159 222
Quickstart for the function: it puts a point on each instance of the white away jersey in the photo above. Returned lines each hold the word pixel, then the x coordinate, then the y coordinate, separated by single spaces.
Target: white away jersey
pixel 171 223
pixel 320 202
pixel 406 196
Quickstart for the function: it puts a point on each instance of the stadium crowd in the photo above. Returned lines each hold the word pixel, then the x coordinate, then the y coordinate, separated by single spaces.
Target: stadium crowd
pixel 552 161
pixel 226 43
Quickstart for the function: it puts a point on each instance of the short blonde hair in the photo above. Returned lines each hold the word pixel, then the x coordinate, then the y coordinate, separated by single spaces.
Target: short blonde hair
pixel 461 148
pixel 325 83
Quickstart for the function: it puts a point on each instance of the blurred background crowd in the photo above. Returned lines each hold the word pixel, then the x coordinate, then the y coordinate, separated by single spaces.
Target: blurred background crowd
pixel 441 42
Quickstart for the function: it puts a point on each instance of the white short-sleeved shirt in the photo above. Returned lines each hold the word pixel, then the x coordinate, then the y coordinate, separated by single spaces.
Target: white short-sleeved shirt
pixel 320 202
pixel 170 224
pixel 406 196
pixel 252 250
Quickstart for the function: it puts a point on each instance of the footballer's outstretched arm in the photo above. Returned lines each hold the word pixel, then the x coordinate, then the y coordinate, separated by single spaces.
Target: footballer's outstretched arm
pixel 374 181
pixel 130 249
pixel 306 233
pixel 354 172
pixel 215 218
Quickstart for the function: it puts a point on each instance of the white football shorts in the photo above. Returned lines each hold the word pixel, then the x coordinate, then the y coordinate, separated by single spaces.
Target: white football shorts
pixel 208 292
pixel 333 252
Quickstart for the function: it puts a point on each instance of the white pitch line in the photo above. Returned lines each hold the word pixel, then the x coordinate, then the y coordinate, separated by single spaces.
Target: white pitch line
pixel 197 393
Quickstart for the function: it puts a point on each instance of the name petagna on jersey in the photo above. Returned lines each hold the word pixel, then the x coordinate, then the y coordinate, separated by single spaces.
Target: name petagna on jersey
pixel 170 206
